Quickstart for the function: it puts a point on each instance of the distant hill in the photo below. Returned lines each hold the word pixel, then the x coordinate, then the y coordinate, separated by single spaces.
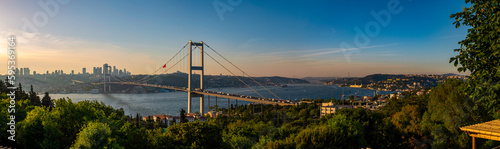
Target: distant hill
pixel 378 77
pixel 451 74
pixel 72 83
pixel 318 79
pixel 395 82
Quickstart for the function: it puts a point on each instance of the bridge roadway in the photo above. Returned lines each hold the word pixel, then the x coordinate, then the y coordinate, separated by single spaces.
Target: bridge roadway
pixel 212 93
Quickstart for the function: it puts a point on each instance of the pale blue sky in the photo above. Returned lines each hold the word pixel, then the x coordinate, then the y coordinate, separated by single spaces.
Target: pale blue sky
pixel 265 38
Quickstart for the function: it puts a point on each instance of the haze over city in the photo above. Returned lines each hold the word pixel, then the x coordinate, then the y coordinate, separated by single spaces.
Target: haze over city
pixel 264 38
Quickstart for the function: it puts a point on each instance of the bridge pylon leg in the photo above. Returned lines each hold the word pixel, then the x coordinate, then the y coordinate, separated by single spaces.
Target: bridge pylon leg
pixel 199 68
pixel 189 102
pixel 202 105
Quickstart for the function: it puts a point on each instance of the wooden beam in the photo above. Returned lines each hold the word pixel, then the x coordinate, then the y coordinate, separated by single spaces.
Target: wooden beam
pixel 473 142
pixel 489 137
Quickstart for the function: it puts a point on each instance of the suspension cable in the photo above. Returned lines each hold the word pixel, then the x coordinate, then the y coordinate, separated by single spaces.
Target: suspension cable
pixel 233 74
pixel 117 78
pixel 244 73
pixel 170 66
pixel 140 80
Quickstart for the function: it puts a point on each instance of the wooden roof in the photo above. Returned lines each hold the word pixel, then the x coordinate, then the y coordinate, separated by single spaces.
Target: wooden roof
pixel 487 130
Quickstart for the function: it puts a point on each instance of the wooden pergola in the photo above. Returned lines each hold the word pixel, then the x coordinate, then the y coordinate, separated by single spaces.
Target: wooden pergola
pixel 487 130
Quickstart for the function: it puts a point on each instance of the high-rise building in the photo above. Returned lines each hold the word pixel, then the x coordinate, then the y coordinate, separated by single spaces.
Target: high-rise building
pixel 26 71
pixel 47 72
pixel 105 69
pixel 21 71
pixel 72 72
pixel 84 70
pixel 34 72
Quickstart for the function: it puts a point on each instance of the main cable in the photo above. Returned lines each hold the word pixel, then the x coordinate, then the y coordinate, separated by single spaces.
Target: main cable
pixel 244 73
pixel 233 74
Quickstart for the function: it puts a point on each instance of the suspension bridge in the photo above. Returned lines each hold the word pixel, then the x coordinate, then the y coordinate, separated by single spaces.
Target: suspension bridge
pixel 194 91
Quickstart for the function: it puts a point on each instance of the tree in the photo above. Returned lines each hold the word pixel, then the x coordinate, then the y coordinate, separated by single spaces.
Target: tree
pixel 351 98
pixel 95 135
pixel 35 100
pixel 183 116
pixel 196 135
pixel 3 87
pixel 47 101
pixel 39 130
pixel 408 121
pixel 480 53
pixel 20 94
pixel 449 109
pixel 339 132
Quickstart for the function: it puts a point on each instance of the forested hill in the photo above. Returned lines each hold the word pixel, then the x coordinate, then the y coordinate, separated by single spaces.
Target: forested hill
pixel 70 83
pixel 216 81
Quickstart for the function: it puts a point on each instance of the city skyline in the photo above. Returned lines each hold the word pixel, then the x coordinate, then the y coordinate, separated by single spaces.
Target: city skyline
pixel 295 39
pixel 95 71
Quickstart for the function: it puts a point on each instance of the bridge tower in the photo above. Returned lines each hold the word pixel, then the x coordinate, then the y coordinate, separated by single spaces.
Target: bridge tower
pixel 106 76
pixel 198 68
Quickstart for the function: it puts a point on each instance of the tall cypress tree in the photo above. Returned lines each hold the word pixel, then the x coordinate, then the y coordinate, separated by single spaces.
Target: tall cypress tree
pixel 47 101
pixel 183 116
pixel 35 100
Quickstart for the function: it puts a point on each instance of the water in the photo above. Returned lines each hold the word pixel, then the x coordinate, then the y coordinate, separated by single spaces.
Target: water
pixel 170 103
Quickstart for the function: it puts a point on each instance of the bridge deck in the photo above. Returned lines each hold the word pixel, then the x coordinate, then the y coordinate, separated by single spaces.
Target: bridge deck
pixel 212 93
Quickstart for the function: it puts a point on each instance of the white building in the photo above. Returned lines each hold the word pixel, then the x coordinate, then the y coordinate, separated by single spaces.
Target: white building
pixel 330 108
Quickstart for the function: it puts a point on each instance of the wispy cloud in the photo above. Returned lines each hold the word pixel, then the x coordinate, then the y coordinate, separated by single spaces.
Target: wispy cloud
pixel 308 56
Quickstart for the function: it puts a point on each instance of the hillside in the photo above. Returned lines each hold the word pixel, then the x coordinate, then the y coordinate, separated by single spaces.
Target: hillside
pixel 72 83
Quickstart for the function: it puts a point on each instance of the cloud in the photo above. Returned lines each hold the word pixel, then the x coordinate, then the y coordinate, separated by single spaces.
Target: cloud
pixel 311 55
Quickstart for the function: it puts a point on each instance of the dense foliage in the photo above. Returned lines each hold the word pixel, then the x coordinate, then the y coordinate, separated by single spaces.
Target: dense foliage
pixel 480 53
pixel 430 120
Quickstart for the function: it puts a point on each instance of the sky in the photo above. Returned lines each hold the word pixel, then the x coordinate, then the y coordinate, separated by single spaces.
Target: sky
pixel 324 38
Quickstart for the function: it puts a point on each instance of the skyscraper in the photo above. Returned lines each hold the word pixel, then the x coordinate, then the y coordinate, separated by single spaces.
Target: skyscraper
pixel 84 70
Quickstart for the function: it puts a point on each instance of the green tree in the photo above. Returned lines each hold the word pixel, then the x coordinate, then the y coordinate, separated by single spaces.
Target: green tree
pixel 20 94
pixel 196 135
pixel 480 53
pixel 47 101
pixel 339 132
pixel 39 130
pixel 95 135
pixel 449 109
pixel 35 100
pixel 351 98
pixel 182 115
